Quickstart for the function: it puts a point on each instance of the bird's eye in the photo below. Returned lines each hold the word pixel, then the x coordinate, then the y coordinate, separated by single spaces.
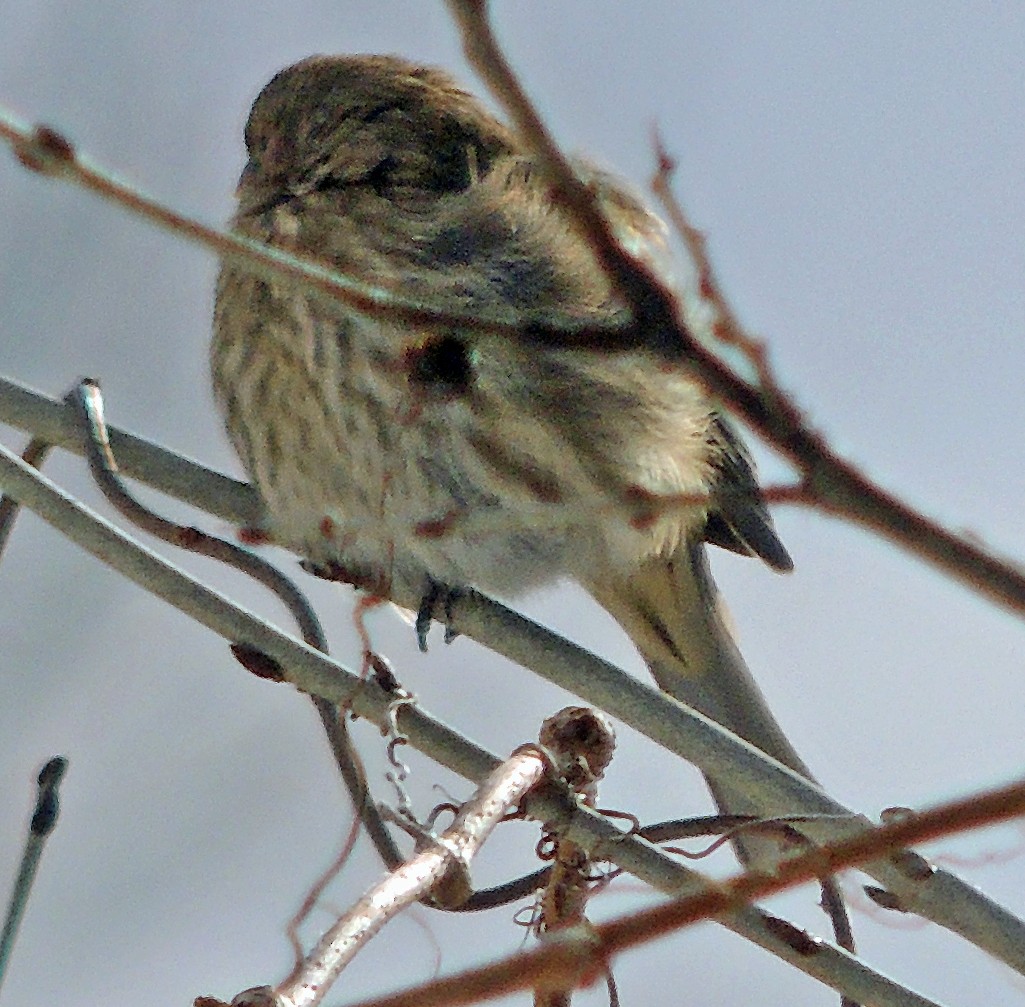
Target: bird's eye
pixel 444 365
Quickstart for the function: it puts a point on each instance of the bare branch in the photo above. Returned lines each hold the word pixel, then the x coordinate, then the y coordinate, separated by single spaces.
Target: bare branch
pixel 654 313
pixel 47 152
pixel 87 399
pixel 828 480
pixel 576 961
pixel 44 820
pixel 34 454
pixel 944 898
pixel 501 791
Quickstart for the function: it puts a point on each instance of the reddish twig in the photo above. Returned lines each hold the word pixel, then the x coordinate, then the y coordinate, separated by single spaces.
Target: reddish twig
pixel 579 961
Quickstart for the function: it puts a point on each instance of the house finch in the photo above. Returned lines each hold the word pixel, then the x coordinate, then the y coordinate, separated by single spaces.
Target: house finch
pixel 451 454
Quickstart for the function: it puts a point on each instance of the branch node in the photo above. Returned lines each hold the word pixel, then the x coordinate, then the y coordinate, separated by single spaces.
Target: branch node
pixel 796 938
pixel 45 151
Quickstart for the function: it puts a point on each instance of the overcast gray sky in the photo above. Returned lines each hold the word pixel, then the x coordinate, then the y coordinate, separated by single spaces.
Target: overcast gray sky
pixel 858 169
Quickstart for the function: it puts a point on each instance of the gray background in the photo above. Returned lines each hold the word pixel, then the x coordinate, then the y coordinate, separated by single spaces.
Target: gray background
pixel 858 169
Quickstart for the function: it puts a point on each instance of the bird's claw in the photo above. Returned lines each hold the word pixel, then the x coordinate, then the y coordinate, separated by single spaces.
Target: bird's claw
pixel 434 595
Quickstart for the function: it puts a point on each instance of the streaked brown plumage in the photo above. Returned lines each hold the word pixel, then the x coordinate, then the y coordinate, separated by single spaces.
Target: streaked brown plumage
pixel 461 456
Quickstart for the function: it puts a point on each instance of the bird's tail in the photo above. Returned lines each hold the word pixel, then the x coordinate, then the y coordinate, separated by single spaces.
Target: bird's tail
pixel 670 608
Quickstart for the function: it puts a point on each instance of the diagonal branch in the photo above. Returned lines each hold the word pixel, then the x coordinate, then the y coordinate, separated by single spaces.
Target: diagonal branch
pixel 47 152
pixel 313 672
pixel 88 402
pixel 834 484
pixel 578 959
pixel 828 480
pixel 935 894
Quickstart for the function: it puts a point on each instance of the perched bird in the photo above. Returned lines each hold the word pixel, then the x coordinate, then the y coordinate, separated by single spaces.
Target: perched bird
pixel 426 454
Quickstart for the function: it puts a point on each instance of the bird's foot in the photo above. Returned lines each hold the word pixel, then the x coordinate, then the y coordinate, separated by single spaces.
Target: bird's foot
pixel 436 595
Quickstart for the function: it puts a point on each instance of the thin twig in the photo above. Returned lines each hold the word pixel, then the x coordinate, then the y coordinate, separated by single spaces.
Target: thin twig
pixel 580 741
pixel 654 314
pixel 87 399
pixel 48 152
pixel 501 791
pixel 44 820
pixel 34 454
pixel 315 892
pixel 834 484
pixel 651 304
pixel 59 153
pixel 828 481
pixel 579 961
pixel 723 827
pixel 941 897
